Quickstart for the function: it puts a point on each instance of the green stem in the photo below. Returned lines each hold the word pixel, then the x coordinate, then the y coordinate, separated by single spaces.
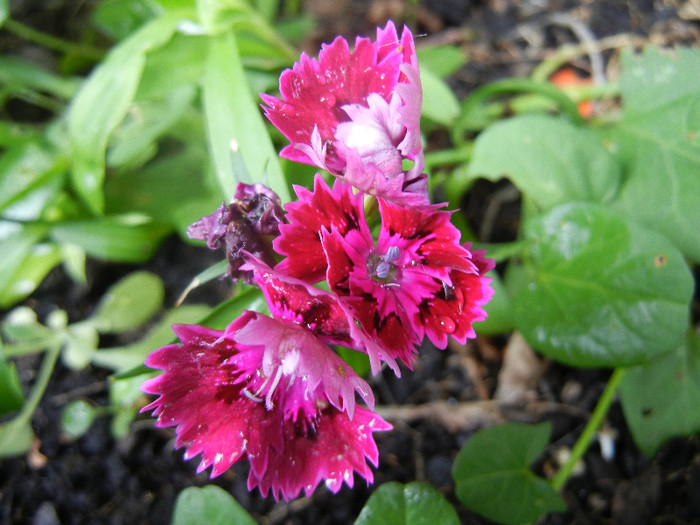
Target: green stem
pixel 47 366
pixel 51 42
pixel 591 428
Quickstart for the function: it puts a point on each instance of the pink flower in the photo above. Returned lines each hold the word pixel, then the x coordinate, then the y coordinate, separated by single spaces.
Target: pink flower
pixel 357 114
pixel 416 280
pixel 323 313
pixel 270 391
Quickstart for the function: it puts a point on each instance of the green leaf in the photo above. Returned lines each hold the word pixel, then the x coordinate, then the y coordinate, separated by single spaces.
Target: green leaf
pixel 80 343
pixel 211 505
pixel 175 190
pixel 117 239
pixel 29 173
pixel 493 477
pixel 599 290
pixel 660 398
pixel 128 357
pixel 439 101
pixel 548 159
pixel 180 62
pixel 135 140
pixel 102 103
pixel 77 417
pixel 4 11
pixel 119 18
pixel 18 75
pixel 658 142
pixel 11 394
pixel 500 318
pixel 233 118
pixel 412 504
pixel 130 303
pixel 39 262
pixel 16 437
pixel 221 316
pixel 358 361
pixel 15 249
pixel 442 60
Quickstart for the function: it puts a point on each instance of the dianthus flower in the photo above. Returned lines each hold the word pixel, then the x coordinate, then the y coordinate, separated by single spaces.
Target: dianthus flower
pixel 357 114
pixel 248 223
pixel 415 280
pixel 268 390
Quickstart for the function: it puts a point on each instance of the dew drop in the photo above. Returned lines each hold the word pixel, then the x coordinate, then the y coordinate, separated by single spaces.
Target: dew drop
pixel 448 325
pixel 328 100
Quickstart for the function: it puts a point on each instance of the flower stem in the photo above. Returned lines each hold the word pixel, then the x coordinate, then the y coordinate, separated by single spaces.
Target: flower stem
pixel 52 42
pixel 589 431
pixel 47 366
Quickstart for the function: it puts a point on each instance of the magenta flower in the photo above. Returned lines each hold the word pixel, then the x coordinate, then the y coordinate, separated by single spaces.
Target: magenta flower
pixel 416 280
pixel 270 391
pixel 249 223
pixel 357 114
pixel 323 313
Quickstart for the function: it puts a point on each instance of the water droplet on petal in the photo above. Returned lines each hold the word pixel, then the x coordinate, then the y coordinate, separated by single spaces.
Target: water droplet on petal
pixel 328 100
pixel 448 325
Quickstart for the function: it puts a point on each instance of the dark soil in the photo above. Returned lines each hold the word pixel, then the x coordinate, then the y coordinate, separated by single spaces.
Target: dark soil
pixel 97 479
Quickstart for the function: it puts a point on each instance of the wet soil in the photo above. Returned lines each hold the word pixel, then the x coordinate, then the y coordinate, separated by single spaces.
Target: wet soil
pixel 100 480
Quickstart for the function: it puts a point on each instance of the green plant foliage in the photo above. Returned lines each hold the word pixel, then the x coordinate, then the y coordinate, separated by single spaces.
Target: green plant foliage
pixel 16 437
pixel 548 159
pixel 234 120
pixel 130 303
pixel 660 398
pixel 411 504
pixel 77 417
pixel 658 142
pixel 102 103
pixel 439 102
pixel 211 505
pixel 11 395
pixel 494 479
pixel 115 238
pixel 600 290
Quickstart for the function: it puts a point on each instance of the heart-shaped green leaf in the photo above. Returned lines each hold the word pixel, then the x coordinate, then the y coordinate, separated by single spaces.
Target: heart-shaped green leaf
pixel 599 290
pixel 660 399
pixel 412 504
pixel 493 475
pixel 211 505
pixel 548 159
pixel 658 143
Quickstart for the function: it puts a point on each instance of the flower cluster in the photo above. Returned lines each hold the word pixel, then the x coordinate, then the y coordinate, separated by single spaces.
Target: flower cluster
pixel 271 388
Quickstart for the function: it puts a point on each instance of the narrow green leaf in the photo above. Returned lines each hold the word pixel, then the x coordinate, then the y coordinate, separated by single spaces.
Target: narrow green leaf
pixel 103 101
pixel 412 504
pixel 118 239
pixel 134 141
pixel 548 159
pixel 660 398
pixel 4 11
pixel 234 118
pixel 77 417
pixel 599 290
pixel 26 170
pixel 36 265
pixel 221 316
pixel 211 505
pixel 119 18
pixel 11 394
pixel 130 303
pixel 19 75
pixel 15 249
pixel 493 477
